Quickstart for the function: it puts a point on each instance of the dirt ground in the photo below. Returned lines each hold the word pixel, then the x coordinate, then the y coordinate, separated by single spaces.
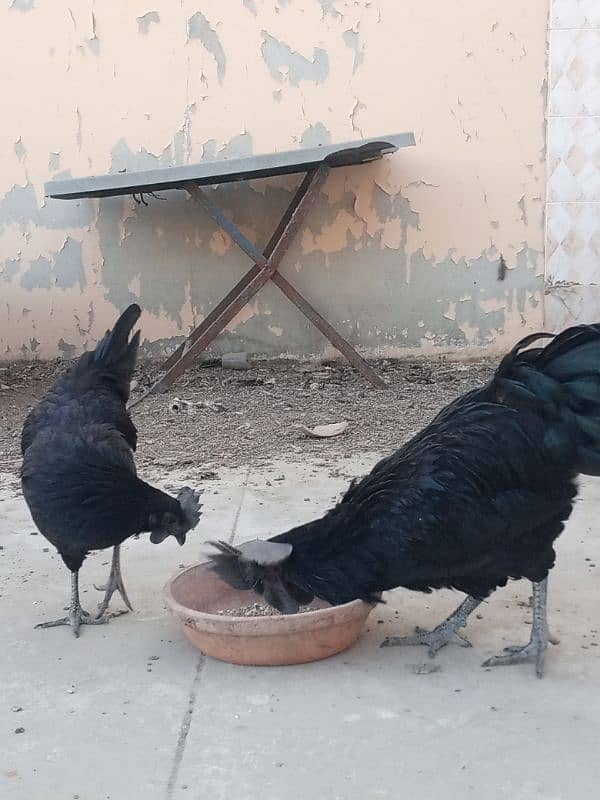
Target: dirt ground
pixel 254 416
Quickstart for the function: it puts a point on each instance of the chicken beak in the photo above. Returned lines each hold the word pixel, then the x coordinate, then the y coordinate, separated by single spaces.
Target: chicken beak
pixel 181 538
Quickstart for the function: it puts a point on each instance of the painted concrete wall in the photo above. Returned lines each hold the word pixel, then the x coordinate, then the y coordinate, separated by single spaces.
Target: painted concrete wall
pixel 400 254
pixel 573 198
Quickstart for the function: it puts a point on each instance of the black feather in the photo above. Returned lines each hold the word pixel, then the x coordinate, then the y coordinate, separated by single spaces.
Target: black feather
pixel 476 498
pixel 78 473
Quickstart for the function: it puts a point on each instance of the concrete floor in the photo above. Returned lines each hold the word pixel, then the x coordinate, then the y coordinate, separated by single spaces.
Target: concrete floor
pixel 130 710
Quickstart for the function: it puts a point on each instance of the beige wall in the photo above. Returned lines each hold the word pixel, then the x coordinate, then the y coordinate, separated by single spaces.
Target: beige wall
pixel 402 253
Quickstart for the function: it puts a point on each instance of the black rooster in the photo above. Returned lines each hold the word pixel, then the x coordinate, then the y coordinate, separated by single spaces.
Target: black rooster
pixel 78 473
pixel 478 497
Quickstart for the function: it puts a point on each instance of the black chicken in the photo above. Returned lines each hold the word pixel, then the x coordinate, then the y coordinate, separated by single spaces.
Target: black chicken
pixel 476 498
pixel 78 473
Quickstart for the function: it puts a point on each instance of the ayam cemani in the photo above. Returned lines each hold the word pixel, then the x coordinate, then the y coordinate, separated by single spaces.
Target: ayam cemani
pixel 476 498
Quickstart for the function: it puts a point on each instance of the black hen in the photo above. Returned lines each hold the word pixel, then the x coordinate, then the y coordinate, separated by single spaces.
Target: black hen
pixel 476 498
pixel 78 473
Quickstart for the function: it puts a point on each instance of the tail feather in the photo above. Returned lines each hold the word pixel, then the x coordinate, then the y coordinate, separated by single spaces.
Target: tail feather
pixel 115 343
pixel 115 355
pixel 562 382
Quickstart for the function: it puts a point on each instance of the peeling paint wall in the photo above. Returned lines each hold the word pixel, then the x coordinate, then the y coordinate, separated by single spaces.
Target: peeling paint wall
pixel 573 197
pixel 399 255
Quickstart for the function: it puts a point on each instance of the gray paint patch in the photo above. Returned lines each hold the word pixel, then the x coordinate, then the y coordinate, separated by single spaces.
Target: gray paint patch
pixel 167 248
pixel 22 5
pixel 20 151
pixel 53 162
pixel 146 20
pixel 209 150
pixel 123 158
pixel 200 28
pixel 10 268
pixel 315 136
pixel 251 6
pixel 352 40
pixel 94 45
pixel 281 59
pixel 18 206
pixel 329 8
pixel 65 214
pixel 68 265
pixel 238 147
pixel 67 350
pixel 38 276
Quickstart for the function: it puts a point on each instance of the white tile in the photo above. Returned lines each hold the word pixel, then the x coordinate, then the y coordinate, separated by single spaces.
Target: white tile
pixel 571 305
pixel 574 159
pixel 574 72
pixel 573 243
pixel 575 14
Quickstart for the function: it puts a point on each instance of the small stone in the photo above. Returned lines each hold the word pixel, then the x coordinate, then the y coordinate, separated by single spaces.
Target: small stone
pixel 424 669
pixel 19 730
pixel 154 658
pixel 17 708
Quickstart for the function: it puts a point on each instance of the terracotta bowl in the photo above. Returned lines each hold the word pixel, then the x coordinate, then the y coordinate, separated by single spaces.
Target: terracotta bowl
pixel 195 596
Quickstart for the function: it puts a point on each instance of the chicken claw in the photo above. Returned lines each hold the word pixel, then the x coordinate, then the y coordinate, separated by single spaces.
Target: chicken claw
pixel 114 584
pixel 535 649
pixel 439 637
pixel 76 616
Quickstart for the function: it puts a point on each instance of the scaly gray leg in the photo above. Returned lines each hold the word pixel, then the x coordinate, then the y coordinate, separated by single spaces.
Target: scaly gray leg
pixel 76 616
pixel 535 650
pixel 446 632
pixel 115 583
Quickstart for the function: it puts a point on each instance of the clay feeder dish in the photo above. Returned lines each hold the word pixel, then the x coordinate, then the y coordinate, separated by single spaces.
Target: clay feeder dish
pixel 196 596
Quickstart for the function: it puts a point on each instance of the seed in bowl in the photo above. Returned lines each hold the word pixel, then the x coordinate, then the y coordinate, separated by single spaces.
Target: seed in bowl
pixel 257 610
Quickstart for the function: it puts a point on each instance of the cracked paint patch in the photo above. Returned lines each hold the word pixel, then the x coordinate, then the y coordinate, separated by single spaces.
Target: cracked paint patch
pixel 20 151
pixel 352 40
pixel 67 350
pixel 315 136
pixel 251 6
pixel 10 268
pixel 53 162
pixel 146 21
pixel 22 5
pixel 329 9
pixel 282 62
pixel 200 28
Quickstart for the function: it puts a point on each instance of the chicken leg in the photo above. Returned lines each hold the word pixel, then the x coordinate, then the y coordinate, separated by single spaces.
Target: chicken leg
pixel 446 631
pixel 114 583
pixel 76 616
pixel 535 649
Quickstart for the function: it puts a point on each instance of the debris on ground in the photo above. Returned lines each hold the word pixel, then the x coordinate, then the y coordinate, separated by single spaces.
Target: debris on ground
pixel 325 431
pixel 424 669
pixel 178 406
pixel 271 399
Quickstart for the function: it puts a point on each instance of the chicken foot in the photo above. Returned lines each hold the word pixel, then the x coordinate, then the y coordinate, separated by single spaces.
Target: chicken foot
pixel 114 584
pixel 535 649
pixel 76 616
pixel 445 632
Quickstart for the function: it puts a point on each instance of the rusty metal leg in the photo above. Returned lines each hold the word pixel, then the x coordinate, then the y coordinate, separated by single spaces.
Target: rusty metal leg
pixel 328 331
pixel 211 317
pixel 287 229
pixel 245 281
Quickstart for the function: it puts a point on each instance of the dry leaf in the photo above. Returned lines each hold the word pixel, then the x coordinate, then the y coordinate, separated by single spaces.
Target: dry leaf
pixel 325 431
